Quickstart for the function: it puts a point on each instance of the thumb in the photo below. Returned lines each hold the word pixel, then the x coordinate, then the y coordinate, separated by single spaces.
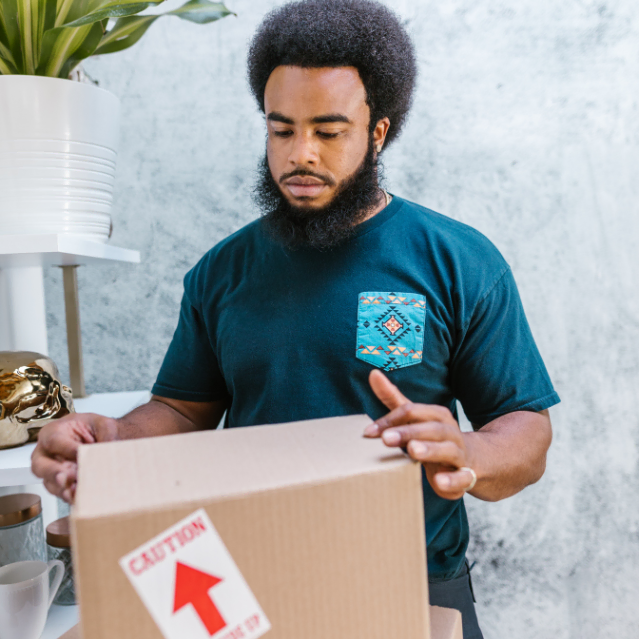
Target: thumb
pixel 385 390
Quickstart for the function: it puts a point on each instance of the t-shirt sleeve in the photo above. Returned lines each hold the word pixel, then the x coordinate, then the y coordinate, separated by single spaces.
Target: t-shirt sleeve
pixel 190 370
pixel 496 367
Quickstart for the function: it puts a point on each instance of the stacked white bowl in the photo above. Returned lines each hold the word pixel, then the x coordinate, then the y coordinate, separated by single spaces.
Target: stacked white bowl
pixel 58 146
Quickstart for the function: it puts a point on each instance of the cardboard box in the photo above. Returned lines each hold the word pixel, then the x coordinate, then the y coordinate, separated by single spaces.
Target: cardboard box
pixel 445 623
pixel 326 529
pixel 73 633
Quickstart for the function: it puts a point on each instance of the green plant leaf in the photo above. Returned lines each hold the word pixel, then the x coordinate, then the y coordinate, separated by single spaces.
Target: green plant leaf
pixel 64 47
pixel 125 33
pixel 50 37
pixel 5 52
pixel 5 44
pixel 4 35
pixel 116 9
pixel 87 48
pixel 7 62
pixel 201 11
pixel 9 30
pixel 45 21
pixel 62 11
pixel 26 36
pixel 32 19
pixel 128 30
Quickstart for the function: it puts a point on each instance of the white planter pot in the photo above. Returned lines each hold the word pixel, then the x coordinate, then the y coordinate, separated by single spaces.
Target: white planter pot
pixel 58 144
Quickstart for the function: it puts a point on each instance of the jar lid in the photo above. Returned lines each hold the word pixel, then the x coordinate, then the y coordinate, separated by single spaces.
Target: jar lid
pixel 59 533
pixel 19 508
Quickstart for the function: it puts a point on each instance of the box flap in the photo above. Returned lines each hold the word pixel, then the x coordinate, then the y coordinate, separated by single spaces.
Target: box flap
pixel 143 474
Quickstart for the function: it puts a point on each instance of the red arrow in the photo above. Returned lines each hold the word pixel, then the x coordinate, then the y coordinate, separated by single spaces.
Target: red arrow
pixel 192 587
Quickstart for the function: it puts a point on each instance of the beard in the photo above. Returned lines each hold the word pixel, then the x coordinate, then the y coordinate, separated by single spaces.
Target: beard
pixel 320 228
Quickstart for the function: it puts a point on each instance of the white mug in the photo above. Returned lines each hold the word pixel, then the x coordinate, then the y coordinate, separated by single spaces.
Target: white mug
pixel 25 597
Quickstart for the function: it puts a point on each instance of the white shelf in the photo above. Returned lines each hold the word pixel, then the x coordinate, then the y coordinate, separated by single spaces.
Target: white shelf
pixel 15 463
pixel 60 619
pixel 15 470
pixel 17 251
pixel 59 250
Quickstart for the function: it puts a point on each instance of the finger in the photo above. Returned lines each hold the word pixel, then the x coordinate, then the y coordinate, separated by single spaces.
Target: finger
pixel 385 390
pixel 411 413
pixel 47 468
pixel 453 482
pixel 70 471
pixel 66 494
pixel 63 480
pixel 403 414
pixel 56 474
pixel 447 453
pixel 53 488
pixel 69 494
pixel 427 431
pixel 64 442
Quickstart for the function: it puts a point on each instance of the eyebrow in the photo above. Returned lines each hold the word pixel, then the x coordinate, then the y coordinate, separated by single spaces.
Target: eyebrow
pixel 276 116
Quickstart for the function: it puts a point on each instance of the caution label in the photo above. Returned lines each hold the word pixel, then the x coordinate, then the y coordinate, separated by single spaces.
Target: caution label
pixel 190 584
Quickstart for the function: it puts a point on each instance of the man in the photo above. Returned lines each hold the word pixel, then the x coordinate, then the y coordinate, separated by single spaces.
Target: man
pixel 295 316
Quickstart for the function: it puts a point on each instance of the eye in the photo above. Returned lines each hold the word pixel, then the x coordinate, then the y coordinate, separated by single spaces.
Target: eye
pixel 327 136
pixel 282 134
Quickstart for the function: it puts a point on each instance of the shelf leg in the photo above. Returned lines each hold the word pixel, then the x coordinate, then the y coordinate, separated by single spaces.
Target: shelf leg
pixel 74 334
pixel 23 317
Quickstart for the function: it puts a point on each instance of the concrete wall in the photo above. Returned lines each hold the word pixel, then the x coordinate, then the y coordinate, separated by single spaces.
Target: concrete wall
pixel 525 126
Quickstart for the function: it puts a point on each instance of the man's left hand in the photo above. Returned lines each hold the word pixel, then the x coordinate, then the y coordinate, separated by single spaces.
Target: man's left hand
pixel 430 434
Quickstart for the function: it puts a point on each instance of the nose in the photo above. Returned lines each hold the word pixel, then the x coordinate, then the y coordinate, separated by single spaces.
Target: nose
pixel 303 150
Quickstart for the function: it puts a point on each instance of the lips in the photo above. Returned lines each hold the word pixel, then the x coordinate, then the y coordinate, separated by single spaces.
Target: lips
pixel 305 186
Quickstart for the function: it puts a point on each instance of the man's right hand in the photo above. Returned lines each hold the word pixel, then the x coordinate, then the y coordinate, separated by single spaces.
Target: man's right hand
pixel 55 457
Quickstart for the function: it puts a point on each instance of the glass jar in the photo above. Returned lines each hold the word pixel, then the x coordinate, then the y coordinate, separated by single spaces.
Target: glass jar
pixel 59 547
pixel 21 529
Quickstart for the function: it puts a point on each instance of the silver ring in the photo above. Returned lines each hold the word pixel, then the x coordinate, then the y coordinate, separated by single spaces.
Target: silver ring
pixel 473 473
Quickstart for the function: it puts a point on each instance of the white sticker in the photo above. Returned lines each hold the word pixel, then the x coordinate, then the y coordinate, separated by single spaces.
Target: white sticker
pixel 190 584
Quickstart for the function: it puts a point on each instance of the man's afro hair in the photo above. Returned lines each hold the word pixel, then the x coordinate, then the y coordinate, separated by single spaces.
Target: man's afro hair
pixel 333 33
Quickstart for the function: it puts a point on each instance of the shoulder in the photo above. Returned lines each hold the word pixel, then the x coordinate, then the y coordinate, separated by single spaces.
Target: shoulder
pixel 461 264
pixel 455 237
pixel 214 265
pixel 456 247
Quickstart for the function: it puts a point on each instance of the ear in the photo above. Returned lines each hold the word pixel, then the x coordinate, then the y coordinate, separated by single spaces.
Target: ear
pixel 379 133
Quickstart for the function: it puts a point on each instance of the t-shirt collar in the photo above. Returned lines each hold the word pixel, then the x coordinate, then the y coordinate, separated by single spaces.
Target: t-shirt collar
pixel 383 216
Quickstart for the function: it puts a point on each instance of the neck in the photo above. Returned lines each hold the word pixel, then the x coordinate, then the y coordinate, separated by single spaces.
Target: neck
pixel 380 205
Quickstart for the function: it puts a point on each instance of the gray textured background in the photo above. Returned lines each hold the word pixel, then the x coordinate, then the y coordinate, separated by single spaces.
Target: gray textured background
pixel 525 125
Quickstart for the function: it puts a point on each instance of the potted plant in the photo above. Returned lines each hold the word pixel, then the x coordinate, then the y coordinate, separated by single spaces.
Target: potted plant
pixel 58 137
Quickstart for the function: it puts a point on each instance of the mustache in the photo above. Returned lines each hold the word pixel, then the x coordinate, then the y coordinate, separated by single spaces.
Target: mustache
pixel 306 173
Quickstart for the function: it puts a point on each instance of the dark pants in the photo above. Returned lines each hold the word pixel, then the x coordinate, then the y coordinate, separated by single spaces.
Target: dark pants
pixel 458 593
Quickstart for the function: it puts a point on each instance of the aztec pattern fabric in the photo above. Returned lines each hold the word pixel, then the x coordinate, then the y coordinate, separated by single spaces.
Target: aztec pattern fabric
pixel 390 329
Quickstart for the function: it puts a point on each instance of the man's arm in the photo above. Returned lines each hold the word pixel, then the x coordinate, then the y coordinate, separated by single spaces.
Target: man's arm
pixel 55 456
pixel 506 454
pixel 164 416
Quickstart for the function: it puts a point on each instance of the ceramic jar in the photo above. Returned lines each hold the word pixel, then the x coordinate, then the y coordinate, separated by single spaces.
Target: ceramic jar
pixel 21 529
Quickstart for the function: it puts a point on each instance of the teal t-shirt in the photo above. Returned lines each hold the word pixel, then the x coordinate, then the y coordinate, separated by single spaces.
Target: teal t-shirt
pixel 285 335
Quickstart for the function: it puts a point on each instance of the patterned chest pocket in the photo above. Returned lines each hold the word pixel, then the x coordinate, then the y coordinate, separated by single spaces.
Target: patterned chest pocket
pixel 390 329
